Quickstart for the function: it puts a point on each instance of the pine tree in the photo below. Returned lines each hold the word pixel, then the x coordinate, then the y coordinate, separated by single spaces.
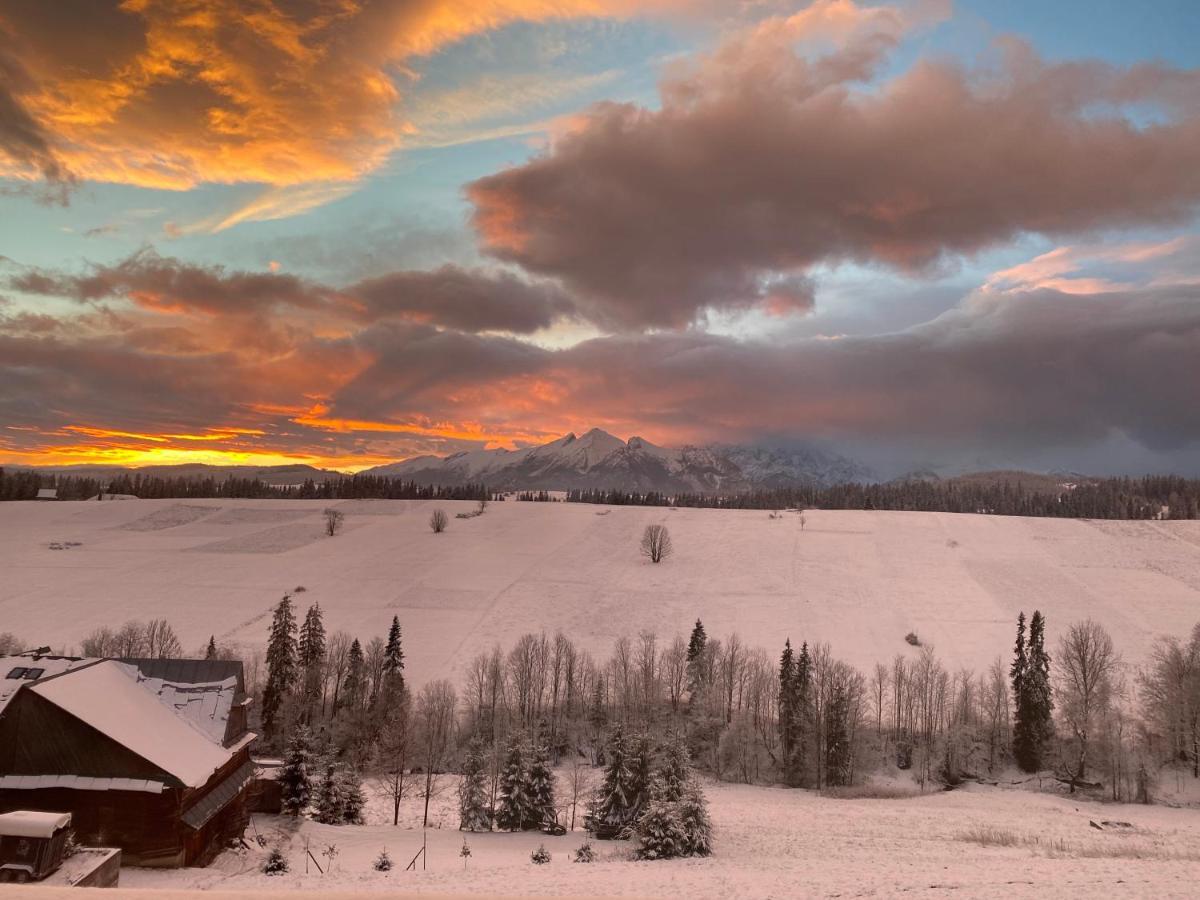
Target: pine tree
pixel 472 790
pixel 276 863
pixel 515 807
pixel 613 805
pixel 281 666
pixel 311 656
pixel 295 784
pixel 541 787
pixel 210 652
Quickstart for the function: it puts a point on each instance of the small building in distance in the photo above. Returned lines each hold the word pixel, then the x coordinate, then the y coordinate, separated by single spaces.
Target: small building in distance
pixel 151 756
pixel 47 494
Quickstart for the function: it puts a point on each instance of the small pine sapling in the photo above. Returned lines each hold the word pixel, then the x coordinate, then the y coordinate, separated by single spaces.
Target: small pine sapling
pixel 276 863
pixel 465 852
pixel 540 856
pixel 383 862
pixel 585 854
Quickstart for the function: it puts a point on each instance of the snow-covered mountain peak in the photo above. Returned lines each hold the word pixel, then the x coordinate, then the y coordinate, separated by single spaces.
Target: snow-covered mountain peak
pixel 597 459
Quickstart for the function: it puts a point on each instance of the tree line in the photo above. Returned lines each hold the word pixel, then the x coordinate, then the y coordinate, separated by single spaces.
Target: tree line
pixel 1151 497
pixel 24 484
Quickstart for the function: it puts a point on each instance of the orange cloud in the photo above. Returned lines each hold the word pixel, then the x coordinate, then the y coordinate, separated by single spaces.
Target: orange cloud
pixel 174 93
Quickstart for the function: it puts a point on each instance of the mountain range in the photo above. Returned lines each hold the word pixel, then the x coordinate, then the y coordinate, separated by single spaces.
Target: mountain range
pixel 597 459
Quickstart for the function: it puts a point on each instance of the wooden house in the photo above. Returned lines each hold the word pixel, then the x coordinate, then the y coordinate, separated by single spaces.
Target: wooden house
pixel 151 756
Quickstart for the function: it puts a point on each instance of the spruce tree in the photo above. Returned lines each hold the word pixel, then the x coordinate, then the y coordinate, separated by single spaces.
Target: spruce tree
pixel 1023 745
pixel 281 667
pixel 802 707
pixel 311 656
pixel 393 657
pixel 294 781
pixel 210 652
pixel 1038 685
pixel 514 808
pixel 613 805
pixel 472 790
pixel 787 708
pixel 641 771
pixel 697 826
pixel 329 796
pixel 541 787
pixel 695 656
pixel 355 685
pixel 354 801
pixel 660 832
pixel 674 770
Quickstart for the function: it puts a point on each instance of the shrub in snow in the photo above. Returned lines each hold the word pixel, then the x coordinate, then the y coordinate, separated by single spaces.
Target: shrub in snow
pixel 540 856
pixel 383 862
pixel 276 863
pixel 912 638
pixel 585 854
pixel 660 831
pixel 465 852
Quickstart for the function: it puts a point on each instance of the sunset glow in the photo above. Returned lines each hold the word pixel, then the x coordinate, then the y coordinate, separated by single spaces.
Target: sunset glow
pixel 346 233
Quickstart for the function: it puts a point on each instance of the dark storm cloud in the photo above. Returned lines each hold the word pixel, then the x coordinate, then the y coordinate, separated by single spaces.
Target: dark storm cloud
pixel 464 299
pixel 763 161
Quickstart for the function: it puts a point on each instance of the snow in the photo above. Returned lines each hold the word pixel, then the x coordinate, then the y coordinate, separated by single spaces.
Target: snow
pixel 769 842
pixel 26 823
pixel 860 580
pixel 107 697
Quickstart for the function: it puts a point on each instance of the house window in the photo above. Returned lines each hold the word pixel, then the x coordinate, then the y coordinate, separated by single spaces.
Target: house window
pixel 33 674
pixel 18 672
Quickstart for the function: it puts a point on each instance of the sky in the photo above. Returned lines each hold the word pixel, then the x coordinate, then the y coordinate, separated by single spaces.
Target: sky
pixel 930 234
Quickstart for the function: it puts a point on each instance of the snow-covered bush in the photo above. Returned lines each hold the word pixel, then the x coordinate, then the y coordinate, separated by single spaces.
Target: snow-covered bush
pixel 585 854
pixel 912 638
pixel 276 863
pixel 660 831
pixel 540 856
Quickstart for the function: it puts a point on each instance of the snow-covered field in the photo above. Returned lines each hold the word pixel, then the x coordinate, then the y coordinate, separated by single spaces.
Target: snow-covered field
pixel 860 580
pixel 770 842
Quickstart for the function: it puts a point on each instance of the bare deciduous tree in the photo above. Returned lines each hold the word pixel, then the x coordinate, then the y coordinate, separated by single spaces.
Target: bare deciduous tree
pixel 333 521
pixel 438 521
pixel 1087 663
pixel 160 639
pixel 656 543
pixel 392 753
pixel 436 705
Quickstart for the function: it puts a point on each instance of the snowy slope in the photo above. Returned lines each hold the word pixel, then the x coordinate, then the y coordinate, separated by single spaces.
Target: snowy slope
pixel 597 459
pixel 860 580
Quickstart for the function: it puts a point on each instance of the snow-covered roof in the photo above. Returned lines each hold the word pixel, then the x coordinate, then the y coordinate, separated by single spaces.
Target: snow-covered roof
pixel 80 783
pixel 108 697
pixel 30 824
pixel 17 671
pixel 205 706
pixel 47 493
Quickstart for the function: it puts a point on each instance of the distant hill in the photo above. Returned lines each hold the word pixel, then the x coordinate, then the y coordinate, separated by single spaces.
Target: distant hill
pixel 597 459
